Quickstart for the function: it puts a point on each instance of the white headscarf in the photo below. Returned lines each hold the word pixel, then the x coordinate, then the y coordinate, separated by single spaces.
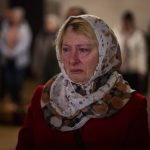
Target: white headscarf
pixel 109 49
pixel 67 109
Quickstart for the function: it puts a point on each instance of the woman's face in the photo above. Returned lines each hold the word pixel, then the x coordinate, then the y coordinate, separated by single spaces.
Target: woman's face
pixel 79 55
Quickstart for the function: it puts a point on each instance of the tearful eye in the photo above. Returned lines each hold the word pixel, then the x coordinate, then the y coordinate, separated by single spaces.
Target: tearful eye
pixel 84 50
pixel 65 49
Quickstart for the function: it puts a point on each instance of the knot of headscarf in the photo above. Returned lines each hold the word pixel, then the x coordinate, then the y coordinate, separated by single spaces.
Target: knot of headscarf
pixel 65 109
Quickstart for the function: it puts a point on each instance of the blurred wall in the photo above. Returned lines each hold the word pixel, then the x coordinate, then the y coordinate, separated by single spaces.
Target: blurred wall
pixel 3 5
pixel 110 10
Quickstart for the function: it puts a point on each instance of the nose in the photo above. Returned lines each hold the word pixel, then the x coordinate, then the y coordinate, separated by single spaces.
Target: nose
pixel 74 57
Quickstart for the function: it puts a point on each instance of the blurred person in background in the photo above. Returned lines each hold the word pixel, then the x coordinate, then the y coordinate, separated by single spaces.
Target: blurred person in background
pixel 15 43
pixel 134 52
pixel 75 11
pixel 4 20
pixel 148 61
pixel 1 70
pixel 88 105
pixel 44 64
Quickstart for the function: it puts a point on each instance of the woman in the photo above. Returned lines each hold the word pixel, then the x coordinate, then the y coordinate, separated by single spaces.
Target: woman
pixel 88 105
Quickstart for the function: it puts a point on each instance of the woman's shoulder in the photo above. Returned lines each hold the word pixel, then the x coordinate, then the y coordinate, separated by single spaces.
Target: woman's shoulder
pixel 40 89
pixel 139 97
pixel 37 92
pixel 138 101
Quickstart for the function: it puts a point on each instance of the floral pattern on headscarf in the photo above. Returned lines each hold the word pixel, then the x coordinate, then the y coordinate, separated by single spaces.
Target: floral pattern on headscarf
pixel 67 105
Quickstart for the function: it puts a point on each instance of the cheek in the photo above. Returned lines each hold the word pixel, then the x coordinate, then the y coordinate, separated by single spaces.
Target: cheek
pixel 63 58
pixel 91 64
pixel 65 61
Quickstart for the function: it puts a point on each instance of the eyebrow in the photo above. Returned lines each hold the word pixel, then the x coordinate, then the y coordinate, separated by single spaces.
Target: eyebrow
pixel 78 45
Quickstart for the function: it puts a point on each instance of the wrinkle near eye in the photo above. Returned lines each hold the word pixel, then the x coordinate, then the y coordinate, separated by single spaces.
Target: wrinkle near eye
pixel 84 50
pixel 65 49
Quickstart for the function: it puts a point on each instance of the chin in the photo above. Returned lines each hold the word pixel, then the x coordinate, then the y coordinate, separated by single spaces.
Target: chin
pixel 79 81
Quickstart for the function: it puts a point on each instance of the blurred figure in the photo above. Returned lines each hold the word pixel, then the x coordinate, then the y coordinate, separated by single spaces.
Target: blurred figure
pixel 1 70
pixel 148 61
pixel 4 20
pixel 134 52
pixel 75 11
pixel 44 58
pixel 14 48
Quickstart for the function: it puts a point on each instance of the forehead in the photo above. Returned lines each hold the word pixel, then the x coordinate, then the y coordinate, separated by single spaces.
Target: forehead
pixel 71 36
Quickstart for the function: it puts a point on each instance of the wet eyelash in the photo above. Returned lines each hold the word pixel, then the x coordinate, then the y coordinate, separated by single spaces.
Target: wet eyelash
pixel 65 49
pixel 84 49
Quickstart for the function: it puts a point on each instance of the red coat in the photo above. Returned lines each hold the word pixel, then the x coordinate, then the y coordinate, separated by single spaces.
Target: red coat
pixel 126 130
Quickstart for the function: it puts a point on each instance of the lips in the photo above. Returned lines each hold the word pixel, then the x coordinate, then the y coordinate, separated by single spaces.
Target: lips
pixel 76 71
